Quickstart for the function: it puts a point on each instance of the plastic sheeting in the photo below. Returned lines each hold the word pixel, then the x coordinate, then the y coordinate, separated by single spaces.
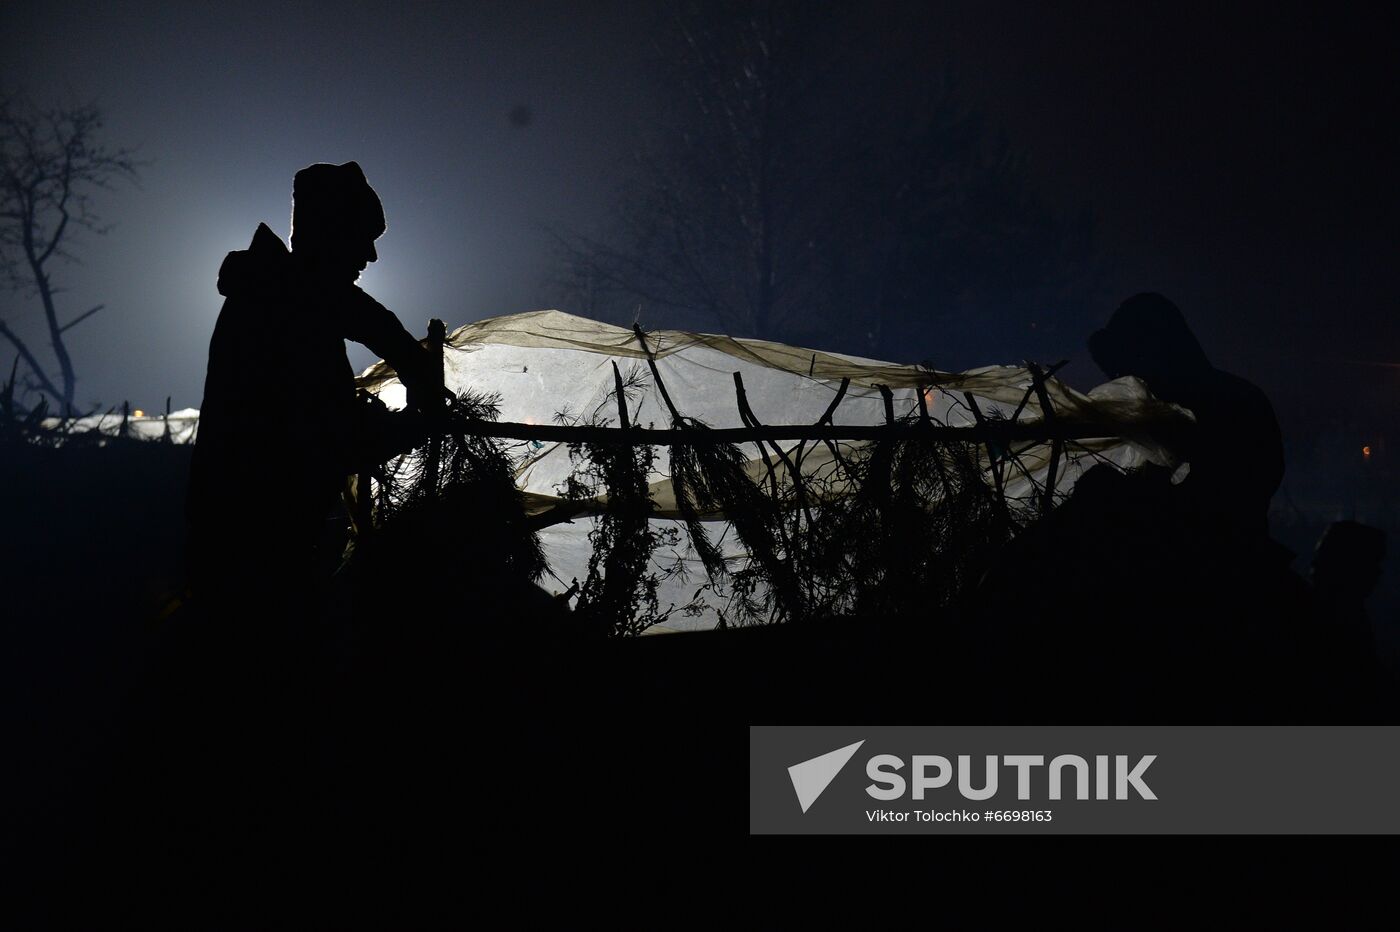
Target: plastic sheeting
pixel 548 364
pixel 183 425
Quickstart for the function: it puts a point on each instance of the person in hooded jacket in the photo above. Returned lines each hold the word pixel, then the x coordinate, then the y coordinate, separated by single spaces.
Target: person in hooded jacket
pixel 1235 449
pixel 280 424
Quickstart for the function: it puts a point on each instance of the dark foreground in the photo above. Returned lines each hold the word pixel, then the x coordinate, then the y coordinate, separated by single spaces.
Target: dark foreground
pixel 198 765
pixel 315 778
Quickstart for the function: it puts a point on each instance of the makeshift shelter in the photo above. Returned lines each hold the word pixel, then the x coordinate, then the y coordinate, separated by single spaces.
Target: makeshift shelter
pixel 555 378
pixel 552 368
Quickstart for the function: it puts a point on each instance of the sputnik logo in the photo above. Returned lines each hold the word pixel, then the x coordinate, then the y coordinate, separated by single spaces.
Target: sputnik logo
pixel 811 777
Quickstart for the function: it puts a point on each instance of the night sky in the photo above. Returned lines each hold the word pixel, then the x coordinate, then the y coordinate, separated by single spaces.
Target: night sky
pixel 1241 163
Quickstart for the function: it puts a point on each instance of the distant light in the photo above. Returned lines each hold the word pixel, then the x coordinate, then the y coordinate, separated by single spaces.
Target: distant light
pixel 139 413
pixel 1366 452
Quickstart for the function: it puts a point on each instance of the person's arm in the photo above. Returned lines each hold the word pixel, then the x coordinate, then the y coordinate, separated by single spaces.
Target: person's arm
pixel 373 325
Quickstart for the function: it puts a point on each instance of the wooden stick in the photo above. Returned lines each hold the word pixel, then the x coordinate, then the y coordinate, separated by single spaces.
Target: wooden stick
pixel 622 421
pixel 656 376
pixel 1031 390
pixel 1003 433
pixel 437 336
pixel 746 415
pixel 826 419
pixel 991 453
pixel 798 487
pixel 1047 414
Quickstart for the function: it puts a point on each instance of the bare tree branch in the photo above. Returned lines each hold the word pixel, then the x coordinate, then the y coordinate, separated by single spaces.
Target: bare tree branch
pixel 35 369
pixel 81 317
pixel 51 162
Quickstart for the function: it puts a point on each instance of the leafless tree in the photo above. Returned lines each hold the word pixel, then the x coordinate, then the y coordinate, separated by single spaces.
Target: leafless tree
pixel 52 162
pixel 803 177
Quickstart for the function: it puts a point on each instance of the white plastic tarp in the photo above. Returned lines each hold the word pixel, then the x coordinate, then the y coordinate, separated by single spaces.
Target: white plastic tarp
pixel 543 364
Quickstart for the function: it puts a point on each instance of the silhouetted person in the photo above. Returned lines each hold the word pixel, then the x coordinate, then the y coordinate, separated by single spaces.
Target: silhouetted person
pixel 1161 602
pixel 1345 569
pixel 238 693
pixel 280 425
pixel 1235 449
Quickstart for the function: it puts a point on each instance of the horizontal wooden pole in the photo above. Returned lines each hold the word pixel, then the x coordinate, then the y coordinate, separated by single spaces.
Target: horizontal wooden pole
pixel 997 432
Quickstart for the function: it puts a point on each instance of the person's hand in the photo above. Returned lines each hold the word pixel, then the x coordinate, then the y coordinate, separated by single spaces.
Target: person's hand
pixel 388 434
pixel 408 430
pixel 420 399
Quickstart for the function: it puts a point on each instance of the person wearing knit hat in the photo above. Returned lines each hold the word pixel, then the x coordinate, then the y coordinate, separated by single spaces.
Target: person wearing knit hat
pixel 280 424
pixel 336 216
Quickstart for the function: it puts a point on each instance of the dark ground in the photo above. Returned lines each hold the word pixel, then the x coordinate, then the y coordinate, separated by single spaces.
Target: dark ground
pixel 165 768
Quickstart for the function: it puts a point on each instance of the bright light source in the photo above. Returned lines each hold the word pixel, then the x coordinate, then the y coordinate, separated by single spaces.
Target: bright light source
pixel 139 413
pixel 1366 452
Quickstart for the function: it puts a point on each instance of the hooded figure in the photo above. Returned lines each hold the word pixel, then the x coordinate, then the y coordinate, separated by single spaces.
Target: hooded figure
pixel 1235 450
pixel 279 425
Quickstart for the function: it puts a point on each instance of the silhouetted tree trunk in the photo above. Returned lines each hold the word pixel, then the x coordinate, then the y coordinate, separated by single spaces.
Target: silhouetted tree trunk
pixel 51 162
